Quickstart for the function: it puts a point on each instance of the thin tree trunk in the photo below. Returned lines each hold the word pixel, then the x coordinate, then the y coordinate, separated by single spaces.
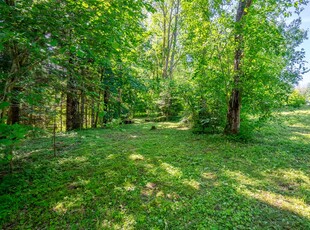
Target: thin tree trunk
pixel 92 116
pixel 175 38
pixel 106 100
pixel 86 113
pixel 234 105
pixel 82 110
pixel 120 102
pixel 97 113
pixel 14 115
pixel 169 44
pixel 164 70
pixel 61 113
pixel 55 126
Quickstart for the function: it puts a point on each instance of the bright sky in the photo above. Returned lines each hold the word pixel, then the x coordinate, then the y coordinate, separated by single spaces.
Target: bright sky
pixel 305 16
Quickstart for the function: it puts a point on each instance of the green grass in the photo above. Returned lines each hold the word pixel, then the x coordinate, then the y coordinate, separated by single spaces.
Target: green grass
pixel 169 178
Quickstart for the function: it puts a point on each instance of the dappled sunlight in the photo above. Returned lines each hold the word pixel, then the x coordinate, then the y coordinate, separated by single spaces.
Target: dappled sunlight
pixel 296 138
pixel 173 171
pixel 173 125
pixel 110 157
pixel 209 176
pixel 183 128
pixel 149 189
pixel 149 166
pixel 79 159
pixel 277 178
pixel 68 134
pixel 79 183
pixel 210 179
pixel 114 179
pixel 192 183
pixel 127 222
pixel 299 126
pixel 168 125
pixel 241 178
pixel 292 204
pixel 296 112
pixel 28 154
pixel 292 177
pixel 136 157
pixel 129 186
pixel 160 194
pixel 68 204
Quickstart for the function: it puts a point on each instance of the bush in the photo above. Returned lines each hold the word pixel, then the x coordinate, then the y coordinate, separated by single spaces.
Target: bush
pixel 296 100
pixel 10 136
pixel 114 124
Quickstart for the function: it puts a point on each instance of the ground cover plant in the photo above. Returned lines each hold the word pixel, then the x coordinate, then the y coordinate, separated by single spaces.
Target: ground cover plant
pixel 132 177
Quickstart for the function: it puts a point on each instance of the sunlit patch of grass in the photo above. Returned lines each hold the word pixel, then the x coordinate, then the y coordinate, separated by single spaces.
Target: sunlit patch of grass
pixel 78 159
pixel 173 171
pixel 192 183
pixel 127 222
pixel 292 204
pixel 68 203
pixel 129 186
pixel 242 179
pixel 209 176
pixel 291 175
pixel 110 157
pixel 136 157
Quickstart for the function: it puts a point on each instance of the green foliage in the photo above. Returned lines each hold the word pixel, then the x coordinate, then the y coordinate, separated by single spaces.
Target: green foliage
pixel 10 136
pixel 169 103
pixel 296 100
pixel 114 124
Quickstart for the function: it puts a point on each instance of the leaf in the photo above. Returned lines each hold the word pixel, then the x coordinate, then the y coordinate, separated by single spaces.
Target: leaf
pixel 9 157
pixel 4 104
pixel 115 45
pixel 54 43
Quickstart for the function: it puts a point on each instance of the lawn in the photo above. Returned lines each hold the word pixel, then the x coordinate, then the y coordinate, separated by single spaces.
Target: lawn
pixel 169 178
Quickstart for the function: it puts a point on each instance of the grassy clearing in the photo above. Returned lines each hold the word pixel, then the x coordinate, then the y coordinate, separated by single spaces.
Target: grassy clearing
pixel 169 178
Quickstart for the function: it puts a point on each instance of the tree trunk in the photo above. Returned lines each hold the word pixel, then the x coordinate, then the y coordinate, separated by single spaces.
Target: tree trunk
pixel 120 101
pixel 86 113
pixel 164 70
pixel 82 112
pixel 73 118
pixel 97 113
pixel 234 105
pixel 92 116
pixel 60 112
pixel 106 100
pixel 175 39
pixel 14 114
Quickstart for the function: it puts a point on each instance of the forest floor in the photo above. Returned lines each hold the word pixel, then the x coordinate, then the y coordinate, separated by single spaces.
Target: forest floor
pixel 169 178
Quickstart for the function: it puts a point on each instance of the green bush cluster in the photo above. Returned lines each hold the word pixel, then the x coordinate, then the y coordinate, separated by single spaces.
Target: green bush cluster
pixel 296 100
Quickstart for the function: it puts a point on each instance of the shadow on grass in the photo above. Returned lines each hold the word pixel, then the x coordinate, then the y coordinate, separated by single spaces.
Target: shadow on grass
pixel 134 178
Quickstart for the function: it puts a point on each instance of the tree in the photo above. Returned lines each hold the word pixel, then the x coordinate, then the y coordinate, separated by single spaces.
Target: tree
pixel 234 106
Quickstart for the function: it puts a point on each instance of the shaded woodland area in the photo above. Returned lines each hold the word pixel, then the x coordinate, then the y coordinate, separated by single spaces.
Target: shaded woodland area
pixel 111 89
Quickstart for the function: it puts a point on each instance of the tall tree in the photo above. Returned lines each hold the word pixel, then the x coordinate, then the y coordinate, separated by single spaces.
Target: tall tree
pixel 234 106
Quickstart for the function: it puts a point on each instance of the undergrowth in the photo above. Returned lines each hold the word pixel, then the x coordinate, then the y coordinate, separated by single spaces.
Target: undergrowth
pixel 168 178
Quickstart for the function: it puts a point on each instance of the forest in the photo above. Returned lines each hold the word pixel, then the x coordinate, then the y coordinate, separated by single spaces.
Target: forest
pixel 153 114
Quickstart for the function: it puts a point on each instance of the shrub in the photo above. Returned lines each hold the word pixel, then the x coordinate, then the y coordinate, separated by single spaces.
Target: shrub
pixel 296 100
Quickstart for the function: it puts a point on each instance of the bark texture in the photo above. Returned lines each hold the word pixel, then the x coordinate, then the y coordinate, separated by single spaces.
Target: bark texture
pixel 234 105
pixel 73 116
